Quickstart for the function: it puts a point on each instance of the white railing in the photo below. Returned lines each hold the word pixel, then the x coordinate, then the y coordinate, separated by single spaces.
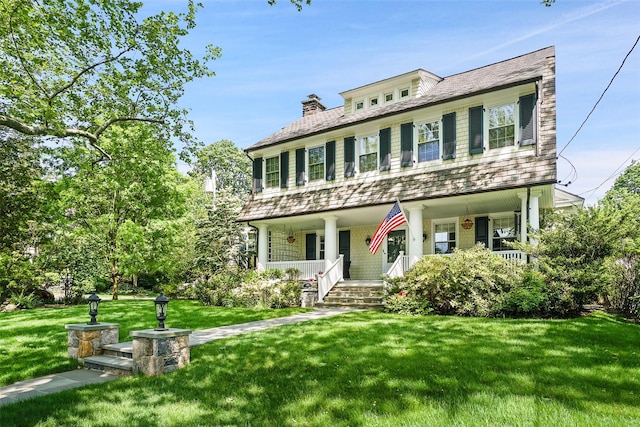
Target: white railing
pixel 308 269
pixel 516 257
pixel 329 278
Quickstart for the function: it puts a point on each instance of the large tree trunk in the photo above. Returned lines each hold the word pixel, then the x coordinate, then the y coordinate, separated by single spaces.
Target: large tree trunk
pixel 115 279
pixel 134 283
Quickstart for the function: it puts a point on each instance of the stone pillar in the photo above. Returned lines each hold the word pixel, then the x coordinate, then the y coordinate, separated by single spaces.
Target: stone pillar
pixel 330 240
pixel 84 340
pixel 160 352
pixel 523 217
pixel 263 246
pixel 415 233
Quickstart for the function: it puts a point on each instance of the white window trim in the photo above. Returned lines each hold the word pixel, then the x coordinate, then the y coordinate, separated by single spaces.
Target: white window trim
pixel 502 215
pixel 434 222
pixel 308 164
pixel 500 102
pixel 375 134
pixel 416 132
pixel 264 173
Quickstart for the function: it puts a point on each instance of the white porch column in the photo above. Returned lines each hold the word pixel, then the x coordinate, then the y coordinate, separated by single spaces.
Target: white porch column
pixel 523 217
pixel 534 213
pixel 330 239
pixel 263 246
pixel 415 232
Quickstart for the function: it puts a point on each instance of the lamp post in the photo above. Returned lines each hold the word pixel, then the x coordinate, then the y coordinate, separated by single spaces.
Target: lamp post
pixel 161 311
pixel 94 300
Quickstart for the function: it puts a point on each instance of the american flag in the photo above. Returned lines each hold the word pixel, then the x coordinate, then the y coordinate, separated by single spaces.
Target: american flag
pixel 394 219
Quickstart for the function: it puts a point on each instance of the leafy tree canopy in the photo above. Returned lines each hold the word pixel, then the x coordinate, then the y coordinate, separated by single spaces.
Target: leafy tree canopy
pixel 76 68
pixel 232 167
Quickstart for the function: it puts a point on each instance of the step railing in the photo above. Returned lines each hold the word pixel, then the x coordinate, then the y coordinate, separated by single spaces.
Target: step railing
pixel 329 278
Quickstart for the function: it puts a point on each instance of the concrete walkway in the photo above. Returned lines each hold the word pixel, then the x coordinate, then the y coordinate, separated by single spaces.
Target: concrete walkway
pixel 55 383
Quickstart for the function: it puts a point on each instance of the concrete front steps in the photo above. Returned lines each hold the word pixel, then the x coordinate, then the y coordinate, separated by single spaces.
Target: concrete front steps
pixel 116 359
pixel 358 294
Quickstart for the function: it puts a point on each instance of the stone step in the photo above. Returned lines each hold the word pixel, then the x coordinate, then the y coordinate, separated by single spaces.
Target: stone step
pixel 351 299
pixel 113 365
pixel 344 305
pixel 342 293
pixel 123 349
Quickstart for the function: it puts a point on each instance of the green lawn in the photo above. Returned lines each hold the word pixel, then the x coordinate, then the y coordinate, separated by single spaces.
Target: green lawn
pixel 369 369
pixel 34 342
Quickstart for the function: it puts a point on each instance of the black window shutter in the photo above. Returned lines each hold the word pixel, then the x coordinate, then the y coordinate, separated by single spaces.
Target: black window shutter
pixel 385 149
pixel 449 136
pixel 330 161
pixel 406 144
pixel 527 106
pixel 475 130
pixel 284 169
pixel 482 230
pixel 257 175
pixel 349 156
pixel 300 169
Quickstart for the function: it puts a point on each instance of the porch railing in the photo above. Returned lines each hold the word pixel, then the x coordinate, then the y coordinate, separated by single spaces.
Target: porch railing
pixel 329 278
pixel 404 262
pixel 308 269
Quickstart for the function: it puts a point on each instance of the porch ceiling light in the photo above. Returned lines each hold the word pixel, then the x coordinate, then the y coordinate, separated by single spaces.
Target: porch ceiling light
pixel 291 238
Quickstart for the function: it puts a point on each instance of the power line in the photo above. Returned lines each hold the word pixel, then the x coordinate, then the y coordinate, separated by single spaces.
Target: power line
pixel 601 96
pixel 613 175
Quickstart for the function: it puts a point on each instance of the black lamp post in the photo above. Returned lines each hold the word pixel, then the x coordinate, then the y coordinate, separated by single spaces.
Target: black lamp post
pixel 94 300
pixel 161 311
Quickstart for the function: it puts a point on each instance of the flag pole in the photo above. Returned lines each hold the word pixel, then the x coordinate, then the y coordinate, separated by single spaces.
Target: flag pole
pixel 405 218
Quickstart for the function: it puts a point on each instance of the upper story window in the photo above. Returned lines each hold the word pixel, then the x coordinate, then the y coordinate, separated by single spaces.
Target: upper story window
pixel 429 141
pixel 404 92
pixel 272 166
pixel 373 102
pixel 316 163
pixel 502 126
pixel 368 153
pixel 388 97
pixel 359 105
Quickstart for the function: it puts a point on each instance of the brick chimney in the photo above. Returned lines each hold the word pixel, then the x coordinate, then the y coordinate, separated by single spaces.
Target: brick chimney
pixel 312 105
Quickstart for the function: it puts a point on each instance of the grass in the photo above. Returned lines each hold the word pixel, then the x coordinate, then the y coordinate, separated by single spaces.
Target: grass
pixel 34 342
pixel 376 369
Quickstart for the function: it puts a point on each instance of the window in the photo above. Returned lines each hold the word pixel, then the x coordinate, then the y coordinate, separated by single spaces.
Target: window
pixel 359 105
pixel 428 141
pixel 504 229
pixel 373 102
pixel 272 166
pixel 368 159
pixel 445 237
pixel 316 163
pixel 404 93
pixel 501 126
pixel 388 97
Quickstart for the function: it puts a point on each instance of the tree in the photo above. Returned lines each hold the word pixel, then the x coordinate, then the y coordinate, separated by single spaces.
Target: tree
pixel 232 167
pixel 75 69
pixel 114 203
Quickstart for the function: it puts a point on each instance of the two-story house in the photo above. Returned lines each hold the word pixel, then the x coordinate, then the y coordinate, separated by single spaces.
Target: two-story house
pixel 471 158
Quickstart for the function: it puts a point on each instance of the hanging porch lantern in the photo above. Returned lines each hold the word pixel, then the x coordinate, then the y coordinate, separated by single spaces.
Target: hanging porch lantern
pixel 467 223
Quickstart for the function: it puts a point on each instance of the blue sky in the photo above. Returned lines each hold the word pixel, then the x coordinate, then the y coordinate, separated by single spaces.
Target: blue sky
pixel 274 56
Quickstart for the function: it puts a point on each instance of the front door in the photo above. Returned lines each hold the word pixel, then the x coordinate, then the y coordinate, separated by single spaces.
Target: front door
pixel 395 243
pixel 344 248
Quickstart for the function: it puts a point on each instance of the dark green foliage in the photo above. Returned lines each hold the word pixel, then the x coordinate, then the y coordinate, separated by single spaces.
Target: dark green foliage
pixel 533 297
pixel 467 283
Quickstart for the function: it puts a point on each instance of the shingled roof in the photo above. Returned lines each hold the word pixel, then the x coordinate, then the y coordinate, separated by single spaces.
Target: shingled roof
pixel 511 72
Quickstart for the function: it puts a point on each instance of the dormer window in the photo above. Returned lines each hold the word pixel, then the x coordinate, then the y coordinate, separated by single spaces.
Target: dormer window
pixel 373 102
pixel 388 97
pixel 359 105
pixel 404 93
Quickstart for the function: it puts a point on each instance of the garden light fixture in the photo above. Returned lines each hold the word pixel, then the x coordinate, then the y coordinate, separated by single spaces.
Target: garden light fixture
pixel 94 300
pixel 161 311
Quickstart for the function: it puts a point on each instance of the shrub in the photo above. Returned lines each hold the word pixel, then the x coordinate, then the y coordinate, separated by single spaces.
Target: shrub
pixel 532 297
pixel 624 288
pixel 472 282
pixel 22 300
pixel 402 303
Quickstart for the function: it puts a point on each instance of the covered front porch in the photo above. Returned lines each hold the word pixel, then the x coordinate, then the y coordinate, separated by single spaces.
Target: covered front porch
pixel 312 243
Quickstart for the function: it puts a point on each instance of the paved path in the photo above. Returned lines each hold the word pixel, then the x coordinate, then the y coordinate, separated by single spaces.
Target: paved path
pixel 67 380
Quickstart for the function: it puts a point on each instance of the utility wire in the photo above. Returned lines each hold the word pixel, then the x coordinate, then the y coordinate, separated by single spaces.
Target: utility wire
pixel 601 96
pixel 614 174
